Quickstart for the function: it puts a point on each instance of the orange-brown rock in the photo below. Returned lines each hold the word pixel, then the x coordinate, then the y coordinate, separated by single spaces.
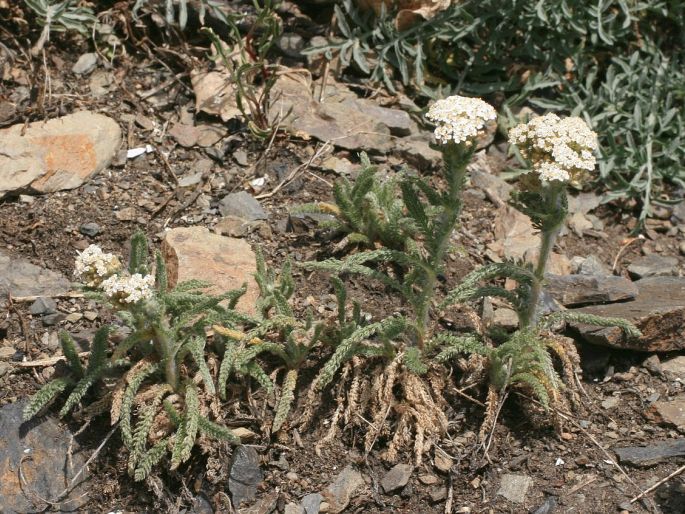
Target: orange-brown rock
pixel 61 153
pixel 194 253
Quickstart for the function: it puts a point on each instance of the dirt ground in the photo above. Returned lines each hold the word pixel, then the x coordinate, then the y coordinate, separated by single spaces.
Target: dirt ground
pixel 574 469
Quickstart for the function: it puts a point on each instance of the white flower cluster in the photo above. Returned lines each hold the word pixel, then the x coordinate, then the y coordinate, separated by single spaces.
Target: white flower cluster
pixel 93 265
pixel 460 119
pixel 560 149
pixel 129 289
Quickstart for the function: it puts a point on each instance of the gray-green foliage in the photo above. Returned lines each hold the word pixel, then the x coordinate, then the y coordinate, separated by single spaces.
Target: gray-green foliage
pixel 63 16
pixel 616 62
pixel 160 357
pixel 367 211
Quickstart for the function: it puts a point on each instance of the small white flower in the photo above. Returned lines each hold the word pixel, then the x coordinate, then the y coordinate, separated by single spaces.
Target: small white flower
pixel 549 171
pixel 460 119
pixel 93 265
pixel 561 149
pixel 129 289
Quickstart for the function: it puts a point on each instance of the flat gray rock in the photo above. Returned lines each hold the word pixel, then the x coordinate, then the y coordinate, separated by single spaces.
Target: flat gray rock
pixel 242 205
pixel 658 311
pixel 652 454
pixel 570 290
pixel 312 503
pixel 41 448
pixel 514 487
pixel 21 278
pixel 653 265
pixel 397 477
pixel 245 474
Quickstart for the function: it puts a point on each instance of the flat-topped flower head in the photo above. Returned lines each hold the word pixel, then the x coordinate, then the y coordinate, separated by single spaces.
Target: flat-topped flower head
pixel 460 119
pixel 93 266
pixel 125 289
pixel 560 149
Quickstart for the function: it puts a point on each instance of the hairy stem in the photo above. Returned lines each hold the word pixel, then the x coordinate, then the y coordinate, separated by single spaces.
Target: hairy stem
pixel 456 159
pixel 548 236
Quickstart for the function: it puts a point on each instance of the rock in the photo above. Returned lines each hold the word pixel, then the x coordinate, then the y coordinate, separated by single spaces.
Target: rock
pixel 341 166
pixel 579 223
pixel 670 412
pixel 583 203
pixel 681 248
pixel 548 506
pixel 438 494
pixel 418 152
pixel 514 487
pixel 43 305
pixel 244 474
pixel 397 477
pixel 74 317
pixel 7 352
pixel 505 318
pixel 674 367
pixel 232 226
pixel 443 462
pixel 41 448
pixel 90 315
pixel 240 156
pixel 650 455
pixel 399 122
pixel 592 266
pixel 242 205
pixel 339 493
pixel 201 505
pixel 653 265
pixel 225 262
pixel 90 229
pixel 492 184
pixel 266 505
pixel 58 154
pixel 341 119
pixel 85 64
pixel 21 278
pixel 658 311
pixel 291 44
pixel 215 94
pixel 190 180
pixel 515 238
pixel 100 83
pixel 126 214
pixel 311 503
pixel 52 319
pixel 583 289
pixel 294 508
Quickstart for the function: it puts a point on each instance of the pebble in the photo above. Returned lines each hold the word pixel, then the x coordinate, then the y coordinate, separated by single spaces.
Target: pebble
pixel 74 317
pixel 90 315
pixel 43 305
pixel 90 229
pixel 85 64
pixel 397 477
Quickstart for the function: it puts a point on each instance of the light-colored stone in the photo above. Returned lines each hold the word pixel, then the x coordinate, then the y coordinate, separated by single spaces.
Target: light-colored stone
pixel 85 64
pixel 675 367
pixel 653 265
pixel 671 412
pixel 339 493
pixel 61 153
pixel 516 238
pixel 195 253
pixel 514 487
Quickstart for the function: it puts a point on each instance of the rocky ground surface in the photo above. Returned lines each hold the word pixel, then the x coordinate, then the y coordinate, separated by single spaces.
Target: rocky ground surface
pixel 134 146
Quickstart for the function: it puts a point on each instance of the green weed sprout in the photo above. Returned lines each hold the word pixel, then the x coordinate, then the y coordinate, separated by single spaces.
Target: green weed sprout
pixel 561 152
pixel 159 364
pixel 367 212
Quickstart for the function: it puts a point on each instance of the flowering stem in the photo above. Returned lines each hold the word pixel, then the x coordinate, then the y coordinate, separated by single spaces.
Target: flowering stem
pixel 456 158
pixel 553 201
